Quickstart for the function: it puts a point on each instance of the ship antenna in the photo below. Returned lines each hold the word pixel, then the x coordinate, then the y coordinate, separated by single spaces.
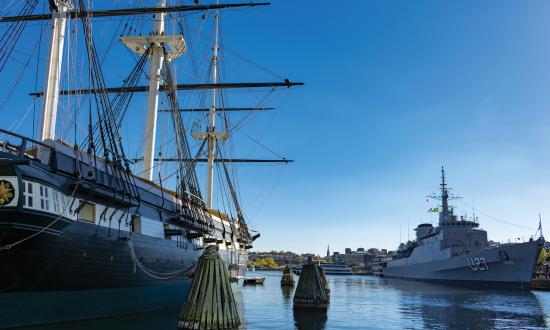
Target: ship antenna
pixel 539 230
pixel 473 210
pixel 444 214
pixel 408 229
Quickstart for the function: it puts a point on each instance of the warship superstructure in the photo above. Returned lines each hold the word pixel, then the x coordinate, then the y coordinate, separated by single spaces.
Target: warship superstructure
pixel 457 251
pixel 85 231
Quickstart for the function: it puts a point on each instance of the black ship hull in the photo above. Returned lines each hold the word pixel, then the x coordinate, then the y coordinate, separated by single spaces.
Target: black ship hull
pixel 86 271
pixel 82 238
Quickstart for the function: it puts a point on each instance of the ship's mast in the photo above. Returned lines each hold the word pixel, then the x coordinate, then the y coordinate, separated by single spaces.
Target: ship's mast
pixel 212 118
pixel 161 48
pixel 156 61
pixel 211 135
pixel 444 215
pixel 53 77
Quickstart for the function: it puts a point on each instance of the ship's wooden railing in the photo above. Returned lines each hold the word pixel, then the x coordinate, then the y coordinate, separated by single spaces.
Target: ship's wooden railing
pixel 26 148
pixel 63 158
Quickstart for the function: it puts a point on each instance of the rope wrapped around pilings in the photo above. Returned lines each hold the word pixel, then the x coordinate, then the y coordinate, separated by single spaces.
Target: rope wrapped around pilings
pixel 311 291
pixel 210 304
pixel 288 277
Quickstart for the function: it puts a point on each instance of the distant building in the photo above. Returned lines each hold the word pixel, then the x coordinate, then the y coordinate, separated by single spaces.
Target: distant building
pixel 355 259
pixel 307 256
pixel 374 251
pixel 352 258
pixel 328 251
pixel 368 261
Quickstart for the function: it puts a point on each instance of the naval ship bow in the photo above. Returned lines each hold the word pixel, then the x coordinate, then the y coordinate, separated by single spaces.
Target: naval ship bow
pixel 81 219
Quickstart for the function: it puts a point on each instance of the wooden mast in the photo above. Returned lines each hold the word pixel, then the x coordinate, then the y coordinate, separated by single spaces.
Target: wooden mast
pixel 53 74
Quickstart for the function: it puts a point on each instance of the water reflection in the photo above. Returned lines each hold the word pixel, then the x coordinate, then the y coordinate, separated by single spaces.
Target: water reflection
pixel 305 318
pixel 445 306
pixel 363 302
pixel 287 293
pixel 310 318
pixel 240 308
pixel 163 319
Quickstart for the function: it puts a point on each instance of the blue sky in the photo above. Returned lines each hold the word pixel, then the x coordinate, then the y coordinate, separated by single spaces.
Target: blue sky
pixel 394 90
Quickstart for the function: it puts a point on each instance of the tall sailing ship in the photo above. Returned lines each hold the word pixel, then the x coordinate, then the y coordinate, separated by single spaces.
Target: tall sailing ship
pixel 85 229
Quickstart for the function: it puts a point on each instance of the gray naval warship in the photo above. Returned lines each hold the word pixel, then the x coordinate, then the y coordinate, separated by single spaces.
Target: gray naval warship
pixel 457 251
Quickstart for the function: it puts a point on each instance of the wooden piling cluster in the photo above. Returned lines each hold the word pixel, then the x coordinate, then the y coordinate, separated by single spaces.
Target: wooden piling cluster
pixel 324 278
pixel 288 277
pixel 210 304
pixel 311 291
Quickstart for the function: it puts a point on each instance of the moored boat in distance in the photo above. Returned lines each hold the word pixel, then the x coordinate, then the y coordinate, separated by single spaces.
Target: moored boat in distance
pixel 457 251
pixel 254 280
pixel 330 269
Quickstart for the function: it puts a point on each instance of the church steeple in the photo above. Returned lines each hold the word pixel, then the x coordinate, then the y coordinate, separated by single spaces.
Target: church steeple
pixel 328 251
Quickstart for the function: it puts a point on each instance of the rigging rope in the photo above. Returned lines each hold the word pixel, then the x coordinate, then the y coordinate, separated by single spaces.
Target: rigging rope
pixel 36 75
pixel 17 81
pixel 13 33
pixel 110 136
pixel 155 274
pixel 7 6
pixel 262 145
pixel 496 219
pixel 121 102
pixel 243 228
pixel 182 144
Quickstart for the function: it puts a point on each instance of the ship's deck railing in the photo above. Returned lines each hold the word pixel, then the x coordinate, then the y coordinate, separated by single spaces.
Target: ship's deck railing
pixel 516 240
pixel 24 147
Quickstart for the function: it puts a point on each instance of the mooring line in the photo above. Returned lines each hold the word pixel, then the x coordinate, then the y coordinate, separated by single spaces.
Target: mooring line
pixel 152 273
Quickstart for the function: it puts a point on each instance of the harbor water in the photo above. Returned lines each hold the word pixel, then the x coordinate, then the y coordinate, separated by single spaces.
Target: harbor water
pixel 364 302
